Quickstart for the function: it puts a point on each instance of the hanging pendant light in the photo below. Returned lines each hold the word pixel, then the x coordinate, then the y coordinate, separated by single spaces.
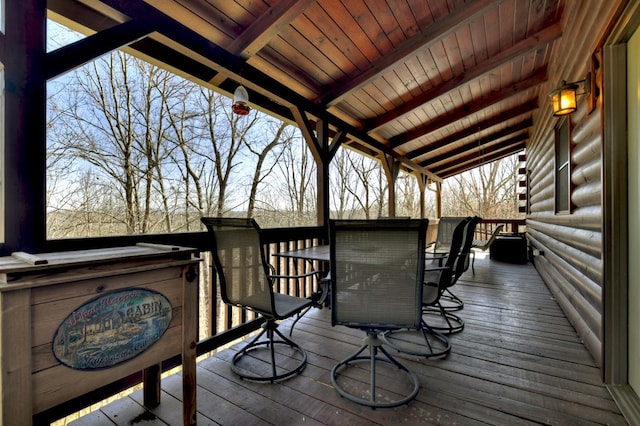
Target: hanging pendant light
pixel 240 101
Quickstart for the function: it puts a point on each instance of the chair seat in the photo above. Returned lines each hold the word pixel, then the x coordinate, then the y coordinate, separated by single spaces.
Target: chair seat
pixel 287 305
pixel 481 244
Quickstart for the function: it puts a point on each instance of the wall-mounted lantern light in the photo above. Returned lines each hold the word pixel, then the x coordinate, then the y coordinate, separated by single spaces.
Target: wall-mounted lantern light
pixel 563 98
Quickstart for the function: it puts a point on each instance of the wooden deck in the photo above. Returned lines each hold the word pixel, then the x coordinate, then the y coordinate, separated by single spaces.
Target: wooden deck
pixel 518 361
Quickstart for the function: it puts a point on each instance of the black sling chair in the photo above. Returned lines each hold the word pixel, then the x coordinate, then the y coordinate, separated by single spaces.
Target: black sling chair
pixel 376 285
pixel 428 342
pixel 246 281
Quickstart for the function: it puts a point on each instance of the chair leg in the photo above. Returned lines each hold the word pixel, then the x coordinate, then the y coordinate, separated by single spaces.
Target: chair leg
pixel 273 337
pixel 374 344
pixel 451 323
pixel 428 343
pixel 473 262
pixel 454 303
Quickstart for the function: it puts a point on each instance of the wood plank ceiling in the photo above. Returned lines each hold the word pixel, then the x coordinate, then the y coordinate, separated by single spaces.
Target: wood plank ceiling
pixel 442 86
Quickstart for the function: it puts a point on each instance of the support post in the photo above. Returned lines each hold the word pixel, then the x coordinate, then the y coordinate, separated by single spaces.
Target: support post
pixel 391 168
pixel 24 126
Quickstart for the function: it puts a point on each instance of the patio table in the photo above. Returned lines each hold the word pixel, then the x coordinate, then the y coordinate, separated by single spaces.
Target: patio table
pixel 318 253
pixel 321 253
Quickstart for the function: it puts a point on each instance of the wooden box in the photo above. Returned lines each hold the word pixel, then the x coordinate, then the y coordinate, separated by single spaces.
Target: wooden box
pixel 71 322
pixel 510 248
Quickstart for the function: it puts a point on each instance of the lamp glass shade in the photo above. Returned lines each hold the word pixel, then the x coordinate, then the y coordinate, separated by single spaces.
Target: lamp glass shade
pixel 240 101
pixel 563 99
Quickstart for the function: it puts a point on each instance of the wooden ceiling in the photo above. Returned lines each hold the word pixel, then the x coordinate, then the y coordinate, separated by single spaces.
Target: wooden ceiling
pixel 442 86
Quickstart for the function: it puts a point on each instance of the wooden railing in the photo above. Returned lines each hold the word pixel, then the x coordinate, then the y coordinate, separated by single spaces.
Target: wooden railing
pixel 486 227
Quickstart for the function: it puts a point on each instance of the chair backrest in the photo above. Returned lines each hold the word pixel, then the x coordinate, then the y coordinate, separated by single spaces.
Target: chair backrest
pixel 238 256
pixel 485 244
pixel 446 226
pixel 377 268
pixel 437 280
pixel 462 261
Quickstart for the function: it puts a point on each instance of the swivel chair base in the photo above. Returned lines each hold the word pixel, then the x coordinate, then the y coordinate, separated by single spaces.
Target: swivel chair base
pixel 425 342
pixel 374 344
pixel 444 322
pixel 450 302
pixel 276 373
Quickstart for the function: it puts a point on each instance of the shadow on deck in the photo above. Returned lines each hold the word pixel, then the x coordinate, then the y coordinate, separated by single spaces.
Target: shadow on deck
pixel 518 361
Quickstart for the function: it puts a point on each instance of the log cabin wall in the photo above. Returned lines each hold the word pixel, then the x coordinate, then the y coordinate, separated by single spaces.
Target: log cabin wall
pixel 567 247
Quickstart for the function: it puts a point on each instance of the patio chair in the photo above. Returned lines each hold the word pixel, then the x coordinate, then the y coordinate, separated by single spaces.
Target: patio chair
pixel 430 343
pixel 446 225
pixel 376 285
pixel 484 245
pixel 246 281
pixel 452 322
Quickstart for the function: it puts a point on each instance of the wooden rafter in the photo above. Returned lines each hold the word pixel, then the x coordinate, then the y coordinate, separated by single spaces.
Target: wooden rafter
pixel 468 109
pixel 82 51
pixel 429 35
pixel 483 125
pixel 463 153
pixel 527 45
pixel 263 29
pixel 473 160
pixel 267 26
pixel 238 68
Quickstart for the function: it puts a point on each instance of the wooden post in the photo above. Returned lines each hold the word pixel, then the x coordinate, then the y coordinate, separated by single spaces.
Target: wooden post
pixel 24 126
pixel 151 388
pixel 391 168
pixel 422 186
pixel 322 167
pixel 438 199
pixel 16 406
pixel 189 341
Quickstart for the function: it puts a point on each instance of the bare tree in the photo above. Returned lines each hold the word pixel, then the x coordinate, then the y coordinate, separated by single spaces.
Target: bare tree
pixel 111 119
pixel 296 172
pixel 340 177
pixel 489 191
pixel 261 153
pixel 370 185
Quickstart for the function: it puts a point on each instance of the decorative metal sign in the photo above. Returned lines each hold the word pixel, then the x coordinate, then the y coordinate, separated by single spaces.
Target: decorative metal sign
pixel 112 328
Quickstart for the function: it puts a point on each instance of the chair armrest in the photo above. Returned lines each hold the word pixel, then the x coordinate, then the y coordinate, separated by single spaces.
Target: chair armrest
pixel 437 268
pixel 440 257
pixel 320 297
pixel 303 275
pixel 432 255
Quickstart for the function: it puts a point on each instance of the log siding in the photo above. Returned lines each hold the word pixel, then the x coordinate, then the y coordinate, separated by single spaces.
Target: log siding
pixel 567 248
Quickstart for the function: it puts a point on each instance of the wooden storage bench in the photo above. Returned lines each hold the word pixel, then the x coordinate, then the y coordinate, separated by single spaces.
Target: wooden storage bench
pixel 72 322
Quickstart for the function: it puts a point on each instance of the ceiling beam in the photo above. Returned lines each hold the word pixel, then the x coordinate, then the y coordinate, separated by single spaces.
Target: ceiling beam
pixel 472 151
pixel 89 14
pixel 467 109
pixel 263 29
pixel 83 51
pixel 429 35
pixel 498 151
pixel 430 162
pixel 267 26
pixel 483 125
pixel 534 42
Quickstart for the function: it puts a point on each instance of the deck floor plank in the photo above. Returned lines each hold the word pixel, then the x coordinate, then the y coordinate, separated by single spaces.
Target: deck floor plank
pixel 518 362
